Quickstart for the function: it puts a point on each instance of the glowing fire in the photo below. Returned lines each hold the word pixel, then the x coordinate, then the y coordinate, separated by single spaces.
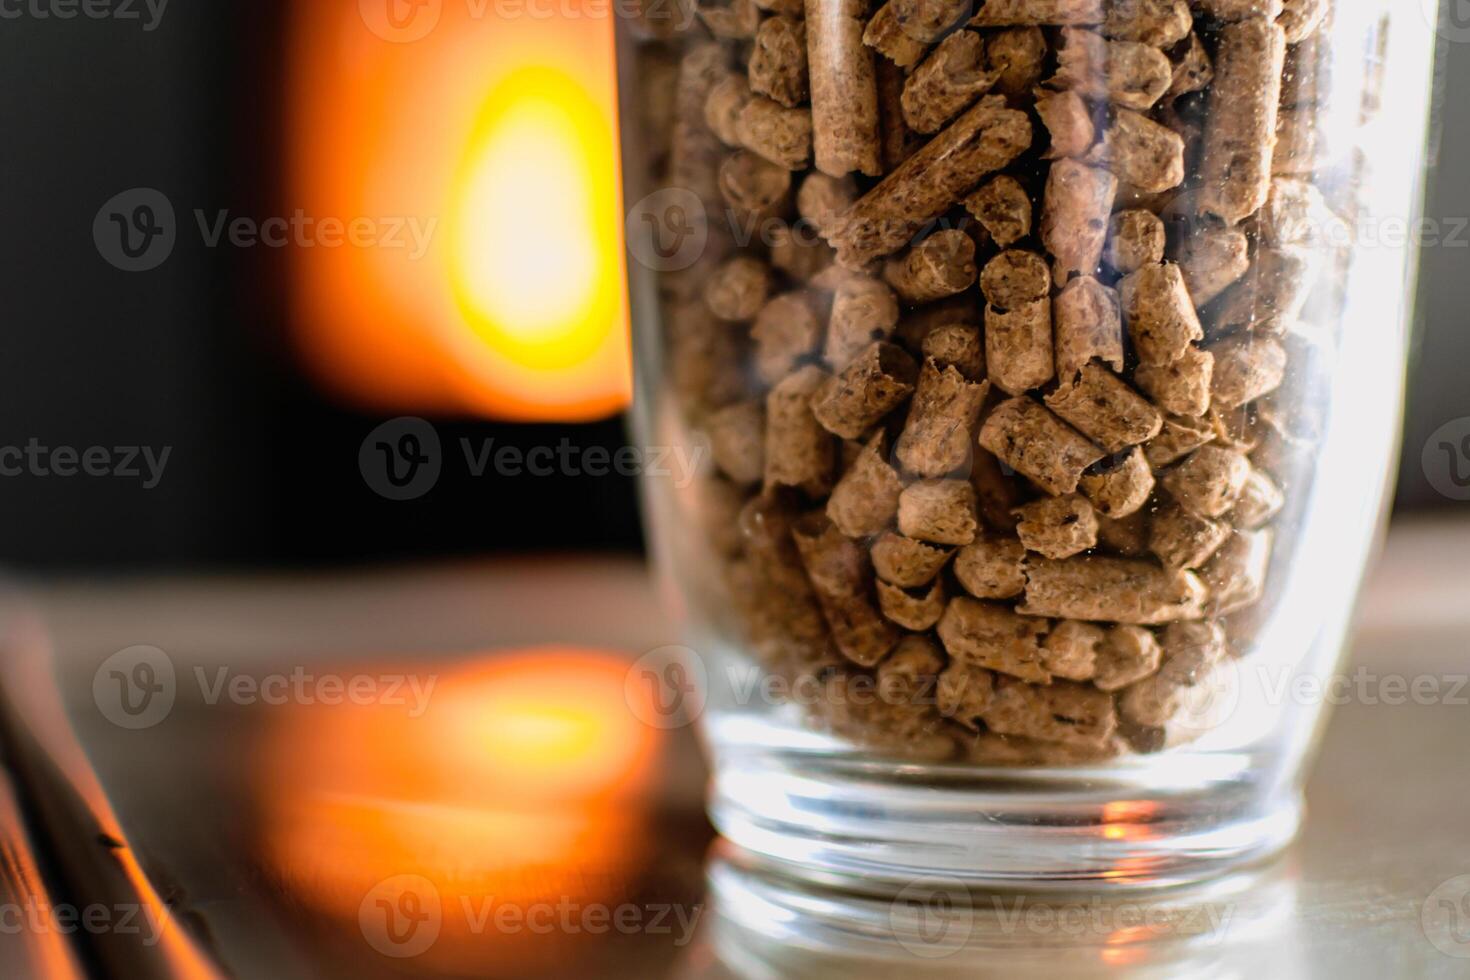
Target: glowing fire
pixel 499 135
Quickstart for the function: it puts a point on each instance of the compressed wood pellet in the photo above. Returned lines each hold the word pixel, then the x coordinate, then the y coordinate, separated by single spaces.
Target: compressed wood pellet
pixel 1111 590
pixel 1122 486
pixel 1260 500
pixel 1162 23
pixel 732 19
pixel 885 34
pixel 1089 324
pixel 785 331
pixel 1135 239
pixel 1126 73
pixel 865 500
pixel 737 290
pixel 1272 295
pixel 777 66
pixel 1161 317
pixel 1012 13
pixel 1003 209
pixel 1300 148
pixel 918 610
pixel 1074 221
pixel 1190 650
pixel 799 452
pixel 1015 278
pixel 1141 153
pixel 941 265
pixel 1181 387
pixel 1070 650
pixel 1126 655
pixel 1057 527
pixel 1300 19
pixel 896 142
pixel 798 253
pixel 911 672
pixel 842 578
pixel 938 511
pixel 1212 260
pixel 996 491
pixel 849 707
pixel 1038 445
pixel 1018 346
pixel 1179 437
pixel 989 635
pixel 936 437
pixel 1124 536
pixel 1184 540
pixel 1208 482
pixel 964 692
pixel 788 623
pixel 878 380
pixel 821 198
pixel 1236 166
pixel 957 345
pixel 1246 367
pixel 1096 403
pixel 1233 10
pixel 694 150
pixel 985 138
pixel 737 435
pixel 863 310
pixel 844 89
pixel 945 82
pixel 1068 118
pixel 753 187
pixel 1061 712
pixel 1236 575
pixel 1194 69
pixel 780 135
pixel 722 107
pixel 992 568
pixel 907 562
pixel 1019 54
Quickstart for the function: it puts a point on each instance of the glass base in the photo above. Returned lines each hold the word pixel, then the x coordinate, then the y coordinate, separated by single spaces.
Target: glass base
pixel 880 827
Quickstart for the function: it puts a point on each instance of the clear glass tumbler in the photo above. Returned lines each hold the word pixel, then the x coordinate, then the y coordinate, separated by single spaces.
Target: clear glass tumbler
pixel 1045 362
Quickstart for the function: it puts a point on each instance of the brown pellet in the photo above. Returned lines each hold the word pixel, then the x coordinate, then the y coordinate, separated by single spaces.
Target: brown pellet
pixel 944 83
pixel 938 511
pixel 844 90
pixel 941 265
pixel 936 437
pixel 1111 590
pixel 1098 404
pixel 907 562
pixel 1161 317
pixel 877 381
pixel 1241 128
pixel 799 452
pixel 1089 324
pixel 1003 209
pixel 1074 221
pixel 1121 487
pixel 777 66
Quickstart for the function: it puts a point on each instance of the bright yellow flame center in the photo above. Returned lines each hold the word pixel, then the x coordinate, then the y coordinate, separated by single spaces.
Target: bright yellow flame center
pixel 534 257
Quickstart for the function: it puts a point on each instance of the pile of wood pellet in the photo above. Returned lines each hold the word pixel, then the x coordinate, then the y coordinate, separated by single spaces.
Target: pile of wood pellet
pixel 992 344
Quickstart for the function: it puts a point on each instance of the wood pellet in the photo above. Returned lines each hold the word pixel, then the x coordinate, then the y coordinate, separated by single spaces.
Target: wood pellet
pixel 994 349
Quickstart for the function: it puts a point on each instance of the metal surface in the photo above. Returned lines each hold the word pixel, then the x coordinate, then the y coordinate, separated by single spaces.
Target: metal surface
pixel 1378 886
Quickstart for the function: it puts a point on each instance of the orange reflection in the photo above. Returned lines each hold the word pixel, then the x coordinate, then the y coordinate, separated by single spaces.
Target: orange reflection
pixel 518 786
pixel 494 136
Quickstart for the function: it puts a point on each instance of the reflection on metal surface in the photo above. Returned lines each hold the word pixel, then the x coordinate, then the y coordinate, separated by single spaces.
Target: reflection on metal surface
pixel 470 833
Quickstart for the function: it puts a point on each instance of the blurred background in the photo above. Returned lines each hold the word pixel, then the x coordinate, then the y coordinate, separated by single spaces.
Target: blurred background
pixel 336 222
